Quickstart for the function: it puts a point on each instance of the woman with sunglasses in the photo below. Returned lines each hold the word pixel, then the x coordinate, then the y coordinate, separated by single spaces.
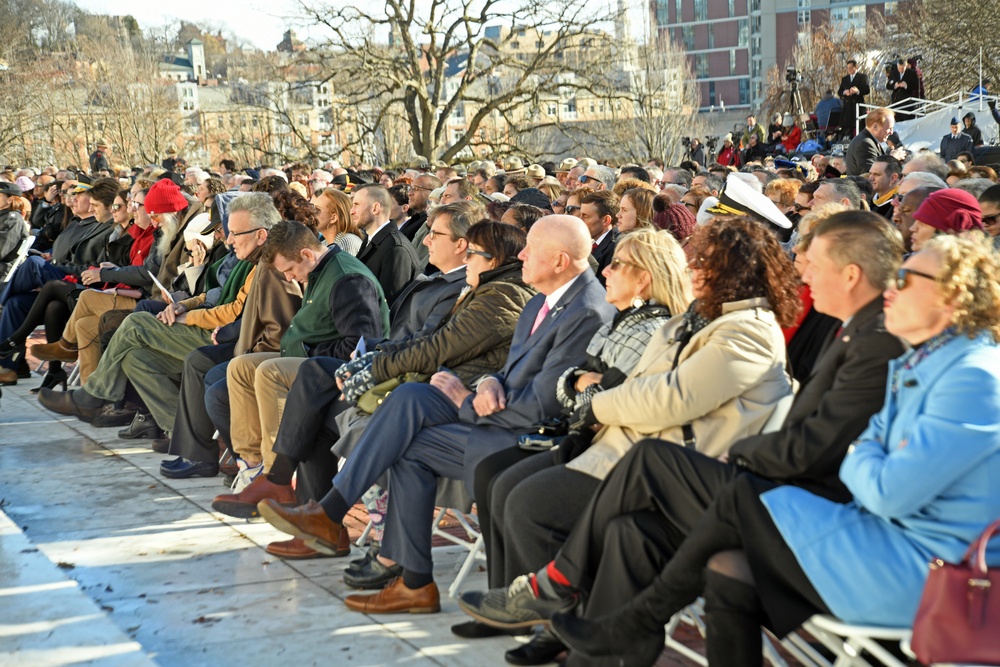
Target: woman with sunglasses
pixel 923 476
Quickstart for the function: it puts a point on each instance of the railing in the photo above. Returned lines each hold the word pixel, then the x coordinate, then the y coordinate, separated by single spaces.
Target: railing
pixel 919 107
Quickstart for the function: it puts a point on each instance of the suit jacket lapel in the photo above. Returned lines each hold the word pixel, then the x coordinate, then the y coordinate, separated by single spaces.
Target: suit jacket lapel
pixel 523 339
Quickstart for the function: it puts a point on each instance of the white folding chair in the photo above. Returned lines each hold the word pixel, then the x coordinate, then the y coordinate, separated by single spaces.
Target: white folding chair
pixel 22 254
pixel 849 641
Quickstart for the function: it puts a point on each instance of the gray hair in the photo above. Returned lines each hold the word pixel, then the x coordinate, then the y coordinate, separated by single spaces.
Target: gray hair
pixel 605 175
pixel 929 162
pixel 974 186
pixel 169 226
pixel 260 206
pixel 845 189
pixel 925 179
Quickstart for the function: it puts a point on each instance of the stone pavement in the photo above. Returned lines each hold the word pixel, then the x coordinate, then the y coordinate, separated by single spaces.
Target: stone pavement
pixel 104 562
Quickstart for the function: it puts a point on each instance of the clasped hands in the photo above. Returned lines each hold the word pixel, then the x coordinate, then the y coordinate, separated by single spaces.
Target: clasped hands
pixel 489 397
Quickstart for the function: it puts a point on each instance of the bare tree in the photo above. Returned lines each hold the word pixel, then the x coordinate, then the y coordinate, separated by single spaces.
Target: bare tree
pixel 443 63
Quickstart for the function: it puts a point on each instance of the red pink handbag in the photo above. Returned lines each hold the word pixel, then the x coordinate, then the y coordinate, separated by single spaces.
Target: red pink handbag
pixel 958 620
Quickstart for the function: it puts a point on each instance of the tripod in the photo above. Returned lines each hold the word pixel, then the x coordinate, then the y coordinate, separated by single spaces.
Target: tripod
pixel 799 113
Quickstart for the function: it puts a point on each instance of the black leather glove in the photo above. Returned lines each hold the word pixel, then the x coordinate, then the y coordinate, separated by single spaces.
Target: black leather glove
pixel 574 444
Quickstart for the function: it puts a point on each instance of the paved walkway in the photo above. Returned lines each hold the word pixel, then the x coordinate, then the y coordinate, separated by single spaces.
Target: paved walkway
pixel 104 562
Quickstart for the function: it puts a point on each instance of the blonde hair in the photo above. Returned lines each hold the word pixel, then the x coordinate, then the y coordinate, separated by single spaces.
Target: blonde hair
pixel 642 202
pixel 339 204
pixel 552 190
pixel 626 184
pixel 659 254
pixel 970 280
pixel 785 188
pixel 810 220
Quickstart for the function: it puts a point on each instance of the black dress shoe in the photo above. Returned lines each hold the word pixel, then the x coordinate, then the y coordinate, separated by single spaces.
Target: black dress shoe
pixel 191 469
pixel 141 426
pixel 541 650
pixel 477 630
pixel 356 566
pixel 373 576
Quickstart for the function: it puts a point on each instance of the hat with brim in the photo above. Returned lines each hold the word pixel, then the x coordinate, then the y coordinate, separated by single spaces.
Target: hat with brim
pixel 566 165
pixel 82 187
pixel 535 171
pixel 738 198
pixel 9 189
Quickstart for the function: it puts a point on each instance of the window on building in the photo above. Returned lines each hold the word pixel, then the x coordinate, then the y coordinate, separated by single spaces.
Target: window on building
pixel 732 8
pixel 743 32
pixel 700 10
pixel 701 66
pixel 711 93
pixel 689 37
pixel 732 62
pixel 220 121
pixel 540 44
pixel 890 8
pixel 678 15
pixel 662 12
pixel 303 119
pixel 593 107
pixel 711 36
pixel 553 109
pixel 744 91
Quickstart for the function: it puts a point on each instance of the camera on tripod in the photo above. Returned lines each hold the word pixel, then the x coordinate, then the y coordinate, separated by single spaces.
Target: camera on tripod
pixel 686 141
pixel 792 75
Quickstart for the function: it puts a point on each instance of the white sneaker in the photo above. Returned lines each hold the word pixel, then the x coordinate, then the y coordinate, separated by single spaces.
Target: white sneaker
pixel 246 475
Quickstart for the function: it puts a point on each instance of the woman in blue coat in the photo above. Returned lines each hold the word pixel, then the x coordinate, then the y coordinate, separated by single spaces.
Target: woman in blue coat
pixel 922 476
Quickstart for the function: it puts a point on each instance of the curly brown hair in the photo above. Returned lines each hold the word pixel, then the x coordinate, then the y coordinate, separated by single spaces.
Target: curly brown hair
pixel 740 259
pixel 293 206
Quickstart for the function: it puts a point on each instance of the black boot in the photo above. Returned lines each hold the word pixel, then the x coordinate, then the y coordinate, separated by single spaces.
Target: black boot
pixel 732 620
pixel 629 633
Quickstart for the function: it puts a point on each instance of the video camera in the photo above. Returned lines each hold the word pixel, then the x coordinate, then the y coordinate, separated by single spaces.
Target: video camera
pixel 792 75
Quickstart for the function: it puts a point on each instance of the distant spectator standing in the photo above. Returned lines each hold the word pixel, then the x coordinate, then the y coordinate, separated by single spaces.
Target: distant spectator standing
pixel 865 147
pixel 853 88
pixel 99 159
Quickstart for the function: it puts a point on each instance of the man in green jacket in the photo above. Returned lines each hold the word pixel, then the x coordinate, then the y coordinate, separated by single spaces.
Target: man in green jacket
pixel 343 301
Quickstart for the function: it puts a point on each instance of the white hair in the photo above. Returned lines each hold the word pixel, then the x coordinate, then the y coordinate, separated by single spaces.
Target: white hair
pixel 924 179
pixel 270 171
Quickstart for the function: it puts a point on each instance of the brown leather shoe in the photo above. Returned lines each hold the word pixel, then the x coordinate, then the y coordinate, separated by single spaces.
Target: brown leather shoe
pixel 294 549
pixel 243 505
pixel 308 522
pixel 58 351
pixel 8 377
pixel 397 598
pixel 62 402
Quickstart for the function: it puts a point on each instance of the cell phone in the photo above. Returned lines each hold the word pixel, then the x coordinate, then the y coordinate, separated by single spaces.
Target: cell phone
pixel 532 442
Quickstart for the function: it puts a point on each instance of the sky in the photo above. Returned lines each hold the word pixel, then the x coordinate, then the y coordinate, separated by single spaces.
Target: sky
pixel 260 23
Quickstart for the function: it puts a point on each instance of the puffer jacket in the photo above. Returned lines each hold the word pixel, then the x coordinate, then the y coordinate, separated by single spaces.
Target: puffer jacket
pixel 472 341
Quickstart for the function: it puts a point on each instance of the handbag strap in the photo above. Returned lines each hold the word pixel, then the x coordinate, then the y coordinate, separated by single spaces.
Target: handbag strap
pixel 979 549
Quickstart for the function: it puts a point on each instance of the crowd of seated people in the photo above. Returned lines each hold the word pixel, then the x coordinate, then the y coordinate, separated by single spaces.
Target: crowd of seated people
pixel 746 387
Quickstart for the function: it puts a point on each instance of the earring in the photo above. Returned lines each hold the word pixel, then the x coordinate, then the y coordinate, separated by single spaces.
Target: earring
pixel 637 302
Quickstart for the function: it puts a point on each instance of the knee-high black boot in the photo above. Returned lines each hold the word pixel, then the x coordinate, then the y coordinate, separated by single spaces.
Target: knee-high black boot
pixel 732 619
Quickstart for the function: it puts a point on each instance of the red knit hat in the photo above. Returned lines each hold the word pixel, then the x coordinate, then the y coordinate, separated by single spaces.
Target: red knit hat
pixel 165 197
pixel 675 218
pixel 951 211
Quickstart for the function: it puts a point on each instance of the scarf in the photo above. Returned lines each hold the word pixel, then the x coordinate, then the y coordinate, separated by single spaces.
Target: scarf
pixel 238 276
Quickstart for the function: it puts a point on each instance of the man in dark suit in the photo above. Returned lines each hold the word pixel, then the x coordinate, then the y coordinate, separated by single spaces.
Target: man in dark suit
pixel 443 430
pixel 386 253
pixel 420 191
pixel 905 85
pixel 867 146
pixel 658 492
pixel 853 88
pixel 599 211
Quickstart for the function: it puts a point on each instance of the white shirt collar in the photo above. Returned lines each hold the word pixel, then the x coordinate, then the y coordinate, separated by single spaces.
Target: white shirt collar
pixel 600 238
pixel 553 299
pixel 375 231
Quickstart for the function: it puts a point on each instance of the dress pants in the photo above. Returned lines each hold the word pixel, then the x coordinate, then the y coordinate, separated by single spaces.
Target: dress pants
pixel 416 436
pixel 217 401
pixel 258 385
pixel 307 428
pixel 83 327
pixel 191 435
pixel 675 482
pixel 18 295
pixel 151 355
pixel 534 505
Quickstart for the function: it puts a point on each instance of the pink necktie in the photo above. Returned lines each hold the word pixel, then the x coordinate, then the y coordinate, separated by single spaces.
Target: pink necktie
pixel 540 317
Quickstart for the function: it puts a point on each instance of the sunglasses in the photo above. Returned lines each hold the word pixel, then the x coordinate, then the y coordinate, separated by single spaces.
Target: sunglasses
pixel 117 207
pixel 799 208
pixel 617 263
pixel 902 277
pixel 469 252
pixel 990 219
pixel 570 209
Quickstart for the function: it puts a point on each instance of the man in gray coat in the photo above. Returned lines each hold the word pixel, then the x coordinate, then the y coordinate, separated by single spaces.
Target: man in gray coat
pixel 444 430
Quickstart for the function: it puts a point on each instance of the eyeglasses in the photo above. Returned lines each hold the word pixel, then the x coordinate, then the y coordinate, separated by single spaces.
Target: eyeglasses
pixel 698 262
pixel 249 231
pixel 618 262
pixel 903 274
pixel 434 233
pixel 469 252
pixel 990 219
pixel 691 205
pixel 584 179
pixel 799 208
pixel 420 187
pixel 117 207
pixel 570 209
